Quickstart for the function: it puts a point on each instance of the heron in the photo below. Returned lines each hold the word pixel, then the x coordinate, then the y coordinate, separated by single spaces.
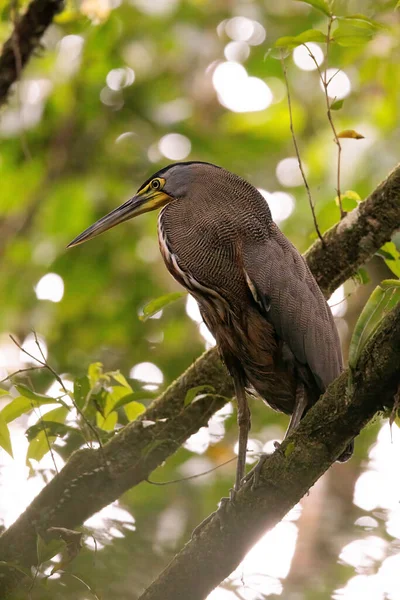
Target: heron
pixel 272 325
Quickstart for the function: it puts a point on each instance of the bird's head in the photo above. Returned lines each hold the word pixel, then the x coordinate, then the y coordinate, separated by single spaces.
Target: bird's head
pixel 165 186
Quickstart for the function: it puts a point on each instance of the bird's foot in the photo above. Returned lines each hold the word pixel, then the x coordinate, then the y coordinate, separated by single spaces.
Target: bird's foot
pixel 220 513
pixel 254 474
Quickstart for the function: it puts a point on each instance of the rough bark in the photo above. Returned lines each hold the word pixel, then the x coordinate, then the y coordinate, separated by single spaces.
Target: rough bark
pixel 94 478
pixel 24 40
pixel 353 241
pixel 288 474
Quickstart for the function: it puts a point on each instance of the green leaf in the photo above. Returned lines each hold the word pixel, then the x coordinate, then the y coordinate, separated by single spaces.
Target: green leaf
pixel 354 33
pixel 11 565
pixel 41 444
pixel 95 371
pixel 133 410
pixel 350 200
pixel 28 393
pixel 156 305
pixel 383 299
pixel 134 397
pixel 81 390
pixel 362 276
pixel 46 551
pixel 108 423
pixel 320 5
pixel 117 393
pixel 119 378
pixel 20 406
pixel 337 105
pixel 52 429
pixel 391 256
pixel 4 392
pixel 195 392
pixel 362 21
pixel 5 440
pixel 311 35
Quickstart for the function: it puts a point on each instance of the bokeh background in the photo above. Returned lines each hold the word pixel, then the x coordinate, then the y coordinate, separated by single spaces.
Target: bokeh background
pixel 118 90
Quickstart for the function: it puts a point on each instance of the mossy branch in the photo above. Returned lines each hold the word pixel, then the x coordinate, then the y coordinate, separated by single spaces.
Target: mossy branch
pixel 288 474
pixel 93 478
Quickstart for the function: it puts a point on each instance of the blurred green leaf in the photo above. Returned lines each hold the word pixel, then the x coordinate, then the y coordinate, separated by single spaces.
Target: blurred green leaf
pixel 21 405
pixel 114 396
pixel 17 567
pixel 362 21
pixel 119 378
pixel 354 32
pixel 194 393
pixel 311 35
pixel 382 300
pixel 41 444
pixel 320 5
pixel 5 441
pixel 81 390
pixel 337 105
pixel 350 200
pixel 46 551
pixel 109 422
pixel 28 393
pixel 95 372
pixel 135 396
pixel 362 276
pixel 153 307
pixel 133 410
pixel 391 256
pixel 52 429
pixel 4 392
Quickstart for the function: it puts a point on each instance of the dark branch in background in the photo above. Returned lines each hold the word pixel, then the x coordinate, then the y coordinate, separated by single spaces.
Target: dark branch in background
pixel 24 40
pixel 93 478
pixel 288 474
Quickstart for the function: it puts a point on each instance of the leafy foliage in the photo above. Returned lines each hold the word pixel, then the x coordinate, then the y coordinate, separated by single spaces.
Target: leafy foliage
pixel 384 298
pixel 81 133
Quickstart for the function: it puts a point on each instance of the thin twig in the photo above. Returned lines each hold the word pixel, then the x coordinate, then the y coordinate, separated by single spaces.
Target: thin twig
pixel 330 119
pixel 191 476
pixel 325 83
pixel 67 393
pixel 298 152
pixel 15 373
pixel 46 365
pixel 46 435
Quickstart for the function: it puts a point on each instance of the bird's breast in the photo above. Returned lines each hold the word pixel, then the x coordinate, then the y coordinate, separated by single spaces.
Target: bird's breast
pixel 203 293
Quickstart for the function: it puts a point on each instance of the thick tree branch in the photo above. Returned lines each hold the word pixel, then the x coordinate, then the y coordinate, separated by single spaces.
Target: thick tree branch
pixel 288 474
pixel 24 40
pixel 94 478
pixel 353 241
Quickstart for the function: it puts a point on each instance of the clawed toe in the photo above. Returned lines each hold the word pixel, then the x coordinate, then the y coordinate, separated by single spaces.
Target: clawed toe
pixel 254 474
pixel 220 513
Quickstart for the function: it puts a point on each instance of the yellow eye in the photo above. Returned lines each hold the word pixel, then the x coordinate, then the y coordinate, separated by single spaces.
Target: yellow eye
pixel 155 184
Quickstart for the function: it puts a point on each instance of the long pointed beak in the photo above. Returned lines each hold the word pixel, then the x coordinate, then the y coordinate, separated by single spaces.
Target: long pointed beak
pixel 135 206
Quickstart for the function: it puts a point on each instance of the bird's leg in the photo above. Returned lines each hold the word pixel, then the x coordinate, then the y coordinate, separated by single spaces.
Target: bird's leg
pixel 244 423
pixel 299 407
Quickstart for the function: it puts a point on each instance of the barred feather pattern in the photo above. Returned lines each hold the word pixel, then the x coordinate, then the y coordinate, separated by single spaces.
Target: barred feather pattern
pixel 255 291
